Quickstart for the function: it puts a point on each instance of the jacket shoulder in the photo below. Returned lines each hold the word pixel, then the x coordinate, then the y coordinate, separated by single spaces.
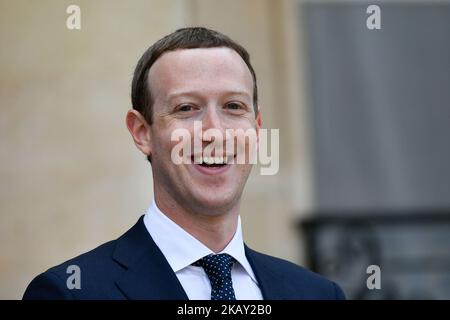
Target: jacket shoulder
pixel 94 269
pixel 299 282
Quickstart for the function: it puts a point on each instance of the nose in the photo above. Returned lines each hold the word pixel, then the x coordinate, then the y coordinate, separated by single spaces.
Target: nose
pixel 212 119
pixel 214 134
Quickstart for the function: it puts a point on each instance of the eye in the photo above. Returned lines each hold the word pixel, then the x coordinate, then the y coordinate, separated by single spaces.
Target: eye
pixel 234 106
pixel 185 108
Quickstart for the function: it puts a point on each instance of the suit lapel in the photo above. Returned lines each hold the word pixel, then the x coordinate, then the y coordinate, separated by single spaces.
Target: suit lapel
pixel 271 284
pixel 147 273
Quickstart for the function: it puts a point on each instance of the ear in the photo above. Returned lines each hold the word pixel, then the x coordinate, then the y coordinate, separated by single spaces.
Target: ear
pixel 258 125
pixel 140 131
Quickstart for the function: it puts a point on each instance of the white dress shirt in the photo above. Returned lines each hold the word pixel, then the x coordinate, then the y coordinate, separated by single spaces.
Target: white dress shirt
pixel 181 250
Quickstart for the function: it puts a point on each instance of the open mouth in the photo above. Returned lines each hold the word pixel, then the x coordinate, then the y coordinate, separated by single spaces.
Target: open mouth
pixel 212 162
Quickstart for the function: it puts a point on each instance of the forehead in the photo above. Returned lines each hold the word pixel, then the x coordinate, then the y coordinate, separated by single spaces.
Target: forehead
pixel 201 69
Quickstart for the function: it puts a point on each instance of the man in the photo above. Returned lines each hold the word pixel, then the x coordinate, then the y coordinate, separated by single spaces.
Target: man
pixel 189 244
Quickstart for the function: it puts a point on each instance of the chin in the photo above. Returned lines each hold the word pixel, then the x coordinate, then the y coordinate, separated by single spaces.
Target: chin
pixel 214 203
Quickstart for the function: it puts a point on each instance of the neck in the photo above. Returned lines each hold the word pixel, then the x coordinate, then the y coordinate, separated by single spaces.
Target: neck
pixel 214 231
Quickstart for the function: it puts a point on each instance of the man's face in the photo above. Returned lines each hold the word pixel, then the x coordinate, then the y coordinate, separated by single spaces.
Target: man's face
pixel 214 87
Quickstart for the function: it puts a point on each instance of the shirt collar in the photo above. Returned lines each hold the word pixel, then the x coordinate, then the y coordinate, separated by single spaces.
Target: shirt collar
pixel 181 249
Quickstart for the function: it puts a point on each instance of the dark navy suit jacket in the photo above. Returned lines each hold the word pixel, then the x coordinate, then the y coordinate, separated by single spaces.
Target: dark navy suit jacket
pixel 133 267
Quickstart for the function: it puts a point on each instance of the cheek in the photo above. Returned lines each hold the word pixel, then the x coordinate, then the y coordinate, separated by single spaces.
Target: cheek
pixel 246 141
pixel 173 141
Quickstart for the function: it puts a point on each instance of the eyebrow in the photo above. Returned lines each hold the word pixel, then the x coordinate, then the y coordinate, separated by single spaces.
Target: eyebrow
pixel 197 94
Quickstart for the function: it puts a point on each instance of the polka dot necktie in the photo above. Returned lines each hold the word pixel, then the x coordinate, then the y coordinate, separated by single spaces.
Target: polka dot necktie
pixel 218 268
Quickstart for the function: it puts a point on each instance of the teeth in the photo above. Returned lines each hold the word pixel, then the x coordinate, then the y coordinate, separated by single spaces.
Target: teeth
pixel 213 160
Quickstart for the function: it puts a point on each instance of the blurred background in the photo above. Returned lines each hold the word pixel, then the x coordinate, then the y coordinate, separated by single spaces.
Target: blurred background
pixel 364 119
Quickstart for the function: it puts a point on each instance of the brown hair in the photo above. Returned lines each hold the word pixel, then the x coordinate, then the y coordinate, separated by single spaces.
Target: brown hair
pixel 185 38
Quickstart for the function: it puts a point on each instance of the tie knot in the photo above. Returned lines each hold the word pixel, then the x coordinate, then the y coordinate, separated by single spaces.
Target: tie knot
pixel 217 265
pixel 218 269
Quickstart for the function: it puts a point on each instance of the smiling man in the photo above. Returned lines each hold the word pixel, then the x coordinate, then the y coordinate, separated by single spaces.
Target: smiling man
pixel 189 244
